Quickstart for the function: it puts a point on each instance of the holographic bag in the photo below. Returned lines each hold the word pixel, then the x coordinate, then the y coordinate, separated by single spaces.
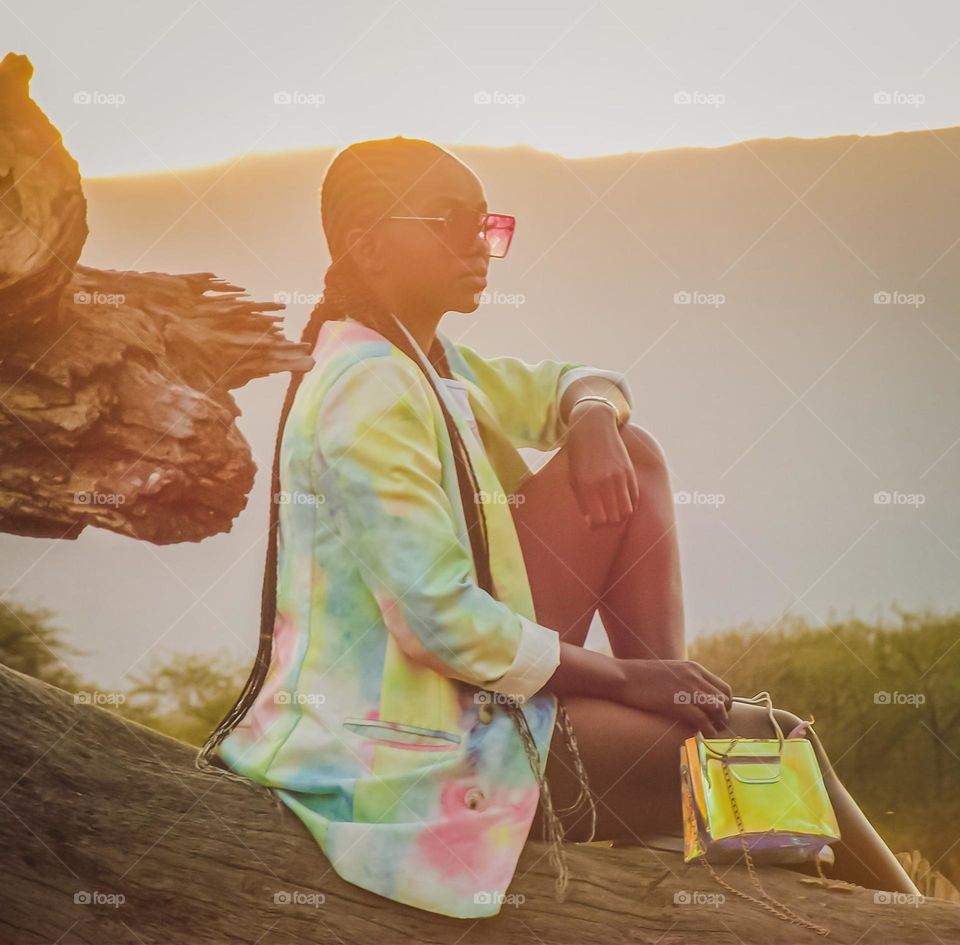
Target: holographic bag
pixel 760 798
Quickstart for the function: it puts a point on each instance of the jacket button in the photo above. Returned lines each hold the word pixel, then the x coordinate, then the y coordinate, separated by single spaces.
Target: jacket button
pixel 474 798
pixel 486 712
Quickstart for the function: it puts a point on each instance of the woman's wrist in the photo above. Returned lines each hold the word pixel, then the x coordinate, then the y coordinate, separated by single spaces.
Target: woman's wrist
pixel 603 413
pixel 584 672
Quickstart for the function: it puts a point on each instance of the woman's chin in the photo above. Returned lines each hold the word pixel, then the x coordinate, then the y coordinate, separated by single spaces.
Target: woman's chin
pixel 468 301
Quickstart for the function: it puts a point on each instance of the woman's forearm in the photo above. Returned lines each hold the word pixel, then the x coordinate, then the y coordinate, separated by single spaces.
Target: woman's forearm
pixel 585 672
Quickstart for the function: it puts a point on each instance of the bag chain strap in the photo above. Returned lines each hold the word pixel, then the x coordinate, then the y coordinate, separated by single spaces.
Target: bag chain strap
pixel 768 902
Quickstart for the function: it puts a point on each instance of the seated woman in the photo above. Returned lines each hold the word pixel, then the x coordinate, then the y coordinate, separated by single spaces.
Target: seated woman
pixel 421 671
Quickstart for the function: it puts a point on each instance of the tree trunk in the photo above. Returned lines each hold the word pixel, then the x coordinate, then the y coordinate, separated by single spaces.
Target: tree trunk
pixel 110 835
pixel 115 404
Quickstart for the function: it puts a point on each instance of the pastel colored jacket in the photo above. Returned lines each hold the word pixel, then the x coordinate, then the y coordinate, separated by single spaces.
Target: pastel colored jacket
pixel 379 723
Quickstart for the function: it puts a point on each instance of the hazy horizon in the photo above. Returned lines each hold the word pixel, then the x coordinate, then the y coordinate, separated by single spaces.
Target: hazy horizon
pixel 796 371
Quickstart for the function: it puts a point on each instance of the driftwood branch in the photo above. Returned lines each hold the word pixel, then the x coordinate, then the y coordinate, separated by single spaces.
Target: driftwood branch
pixel 110 835
pixel 115 408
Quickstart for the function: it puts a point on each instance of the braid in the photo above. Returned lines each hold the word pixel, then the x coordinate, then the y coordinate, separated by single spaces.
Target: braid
pixel 347 293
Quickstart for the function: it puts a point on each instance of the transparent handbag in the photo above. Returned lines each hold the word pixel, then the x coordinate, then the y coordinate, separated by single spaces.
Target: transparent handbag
pixel 760 798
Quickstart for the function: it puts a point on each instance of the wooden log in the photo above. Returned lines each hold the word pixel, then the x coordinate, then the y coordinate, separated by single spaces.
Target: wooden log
pixel 111 835
pixel 115 408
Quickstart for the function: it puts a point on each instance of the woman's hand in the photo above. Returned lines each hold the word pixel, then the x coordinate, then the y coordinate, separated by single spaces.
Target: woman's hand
pixel 679 688
pixel 602 476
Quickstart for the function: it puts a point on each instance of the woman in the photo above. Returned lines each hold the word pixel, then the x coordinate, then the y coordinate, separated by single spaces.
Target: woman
pixel 430 596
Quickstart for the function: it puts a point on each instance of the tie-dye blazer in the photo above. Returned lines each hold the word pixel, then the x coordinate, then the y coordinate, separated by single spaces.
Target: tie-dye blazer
pixel 381 722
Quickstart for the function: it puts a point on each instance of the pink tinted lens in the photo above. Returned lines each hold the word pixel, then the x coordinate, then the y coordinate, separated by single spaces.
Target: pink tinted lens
pixel 498 231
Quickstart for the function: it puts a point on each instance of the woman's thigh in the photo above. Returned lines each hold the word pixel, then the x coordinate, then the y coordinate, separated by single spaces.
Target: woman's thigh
pixel 568 560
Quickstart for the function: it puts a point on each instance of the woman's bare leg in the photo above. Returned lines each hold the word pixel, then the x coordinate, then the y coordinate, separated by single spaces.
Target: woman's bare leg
pixel 631 572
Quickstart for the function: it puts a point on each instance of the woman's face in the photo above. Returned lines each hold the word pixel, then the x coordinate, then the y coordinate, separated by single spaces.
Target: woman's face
pixel 417 268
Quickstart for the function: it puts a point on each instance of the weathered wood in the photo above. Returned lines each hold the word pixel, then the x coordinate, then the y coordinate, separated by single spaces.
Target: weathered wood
pixel 115 408
pixel 93 804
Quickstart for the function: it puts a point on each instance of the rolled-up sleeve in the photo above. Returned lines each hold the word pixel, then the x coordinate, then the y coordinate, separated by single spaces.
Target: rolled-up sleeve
pixel 376 459
pixel 527 396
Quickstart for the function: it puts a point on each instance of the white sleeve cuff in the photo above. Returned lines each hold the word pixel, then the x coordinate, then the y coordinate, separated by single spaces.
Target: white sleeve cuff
pixel 618 378
pixel 536 660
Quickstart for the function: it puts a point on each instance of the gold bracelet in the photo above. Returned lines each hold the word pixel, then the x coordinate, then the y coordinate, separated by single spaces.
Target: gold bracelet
pixel 603 399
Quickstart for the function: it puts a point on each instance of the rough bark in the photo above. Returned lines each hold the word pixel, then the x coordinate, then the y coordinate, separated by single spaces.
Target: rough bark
pixel 115 408
pixel 95 806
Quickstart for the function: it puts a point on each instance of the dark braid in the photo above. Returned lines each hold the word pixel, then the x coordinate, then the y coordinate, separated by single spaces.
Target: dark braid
pixel 346 293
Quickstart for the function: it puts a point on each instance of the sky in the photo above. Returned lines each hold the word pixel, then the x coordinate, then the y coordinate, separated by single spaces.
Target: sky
pixel 151 88
pixel 146 87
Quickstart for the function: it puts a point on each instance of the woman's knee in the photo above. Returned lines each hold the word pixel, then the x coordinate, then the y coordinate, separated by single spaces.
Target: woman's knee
pixel 753 721
pixel 643 447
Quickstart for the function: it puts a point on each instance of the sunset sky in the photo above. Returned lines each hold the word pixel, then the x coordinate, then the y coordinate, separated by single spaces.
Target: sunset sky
pixel 140 87
pixel 799 401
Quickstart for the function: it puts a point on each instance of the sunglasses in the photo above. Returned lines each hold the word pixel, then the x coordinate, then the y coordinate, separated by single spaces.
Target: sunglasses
pixel 460 227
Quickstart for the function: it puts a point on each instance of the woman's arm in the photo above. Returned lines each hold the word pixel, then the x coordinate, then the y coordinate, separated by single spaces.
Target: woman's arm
pixel 533 401
pixel 682 689
pixel 376 461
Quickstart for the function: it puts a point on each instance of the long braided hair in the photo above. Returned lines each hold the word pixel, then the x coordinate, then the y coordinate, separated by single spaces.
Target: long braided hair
pixel 362 181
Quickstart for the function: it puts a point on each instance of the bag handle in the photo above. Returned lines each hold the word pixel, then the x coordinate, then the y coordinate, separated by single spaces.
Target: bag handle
pixel 764 698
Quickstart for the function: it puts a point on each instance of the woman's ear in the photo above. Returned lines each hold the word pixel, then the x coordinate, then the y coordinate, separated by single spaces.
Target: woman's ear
pixel 366 244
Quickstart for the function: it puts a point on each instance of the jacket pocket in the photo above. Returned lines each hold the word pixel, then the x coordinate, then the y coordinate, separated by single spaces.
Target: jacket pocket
pixel 401 735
